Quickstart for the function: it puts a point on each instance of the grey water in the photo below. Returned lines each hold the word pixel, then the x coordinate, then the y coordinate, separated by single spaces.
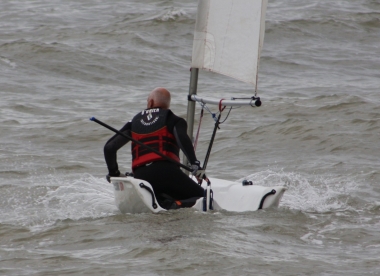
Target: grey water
pixel 317 132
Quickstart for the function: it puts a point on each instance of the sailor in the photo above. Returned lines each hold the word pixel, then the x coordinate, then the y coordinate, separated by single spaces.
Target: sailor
pixel 159 128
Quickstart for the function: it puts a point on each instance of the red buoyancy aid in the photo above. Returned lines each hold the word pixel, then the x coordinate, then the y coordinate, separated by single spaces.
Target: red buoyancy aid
pixel 149 127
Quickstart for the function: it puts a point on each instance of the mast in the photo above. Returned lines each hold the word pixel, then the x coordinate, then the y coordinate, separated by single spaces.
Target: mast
pixel 191 109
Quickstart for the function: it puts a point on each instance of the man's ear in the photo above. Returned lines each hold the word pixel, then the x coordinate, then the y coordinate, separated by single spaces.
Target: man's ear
pixel 150 103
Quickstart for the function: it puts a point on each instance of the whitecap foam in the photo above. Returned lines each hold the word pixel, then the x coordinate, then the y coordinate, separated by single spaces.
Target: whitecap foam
pixel 41 206
pixel 172 14
pixel 12 64
pixel 310 193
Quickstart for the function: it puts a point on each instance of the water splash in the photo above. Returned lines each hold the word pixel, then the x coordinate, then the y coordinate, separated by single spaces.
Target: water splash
pixel 41 206
pixel 309 193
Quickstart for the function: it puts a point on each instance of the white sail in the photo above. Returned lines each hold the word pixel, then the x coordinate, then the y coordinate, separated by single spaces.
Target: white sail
pixel 228 37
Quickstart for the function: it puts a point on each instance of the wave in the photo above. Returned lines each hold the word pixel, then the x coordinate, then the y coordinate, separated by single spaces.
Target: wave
pixel 26 47
pixel 321 24
pixel 168 14
pixel 352 101
pixel 172 14
pixel 10 63
pixel 55 199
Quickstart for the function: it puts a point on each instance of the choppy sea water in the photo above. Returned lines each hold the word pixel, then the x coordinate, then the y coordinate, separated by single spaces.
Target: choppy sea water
pixel 317 133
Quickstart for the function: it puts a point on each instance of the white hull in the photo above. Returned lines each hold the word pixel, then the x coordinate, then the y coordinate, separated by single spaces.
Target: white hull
pixel 131 197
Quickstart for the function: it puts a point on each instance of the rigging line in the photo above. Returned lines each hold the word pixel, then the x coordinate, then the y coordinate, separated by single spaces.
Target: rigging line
pixel 206 107
pixel 226 116
pixel 199 127
pixel 211 142
pixel 213 115
pixel 220 106
pixel 229 113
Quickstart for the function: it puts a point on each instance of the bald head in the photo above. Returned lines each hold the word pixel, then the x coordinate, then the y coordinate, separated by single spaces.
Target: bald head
pixel 159 97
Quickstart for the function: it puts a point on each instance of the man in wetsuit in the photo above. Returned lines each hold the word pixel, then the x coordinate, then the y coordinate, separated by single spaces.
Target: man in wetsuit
pixel 159 128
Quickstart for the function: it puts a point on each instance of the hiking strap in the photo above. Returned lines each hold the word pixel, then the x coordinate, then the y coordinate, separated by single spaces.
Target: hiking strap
pixel 264 197
pixel 154 204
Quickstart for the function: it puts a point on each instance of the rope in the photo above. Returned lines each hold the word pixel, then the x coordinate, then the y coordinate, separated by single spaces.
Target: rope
pixel 199 127
pixel 226 116
pixel 220 106
pixel 214 116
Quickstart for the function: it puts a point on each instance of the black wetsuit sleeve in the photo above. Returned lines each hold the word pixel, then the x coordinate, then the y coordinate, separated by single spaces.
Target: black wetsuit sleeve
pixel 113 145
pixel 183 140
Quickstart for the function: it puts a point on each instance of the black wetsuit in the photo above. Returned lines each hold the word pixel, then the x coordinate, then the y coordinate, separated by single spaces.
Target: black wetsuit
pixel 164 176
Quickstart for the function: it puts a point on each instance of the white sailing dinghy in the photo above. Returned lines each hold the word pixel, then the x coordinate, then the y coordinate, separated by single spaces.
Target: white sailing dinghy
pixel 228 39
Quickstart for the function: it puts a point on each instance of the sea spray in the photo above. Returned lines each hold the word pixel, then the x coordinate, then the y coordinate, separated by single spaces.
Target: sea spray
pixel 309 193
